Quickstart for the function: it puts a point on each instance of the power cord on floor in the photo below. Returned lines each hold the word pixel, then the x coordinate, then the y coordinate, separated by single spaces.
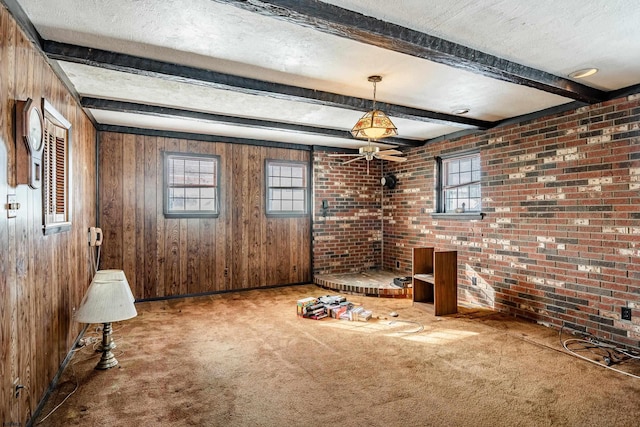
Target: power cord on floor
pixel 68 395
pixel 85 342
pixel 609 353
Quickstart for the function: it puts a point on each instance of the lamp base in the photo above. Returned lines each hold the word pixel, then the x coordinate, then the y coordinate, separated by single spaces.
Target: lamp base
pixel 108 359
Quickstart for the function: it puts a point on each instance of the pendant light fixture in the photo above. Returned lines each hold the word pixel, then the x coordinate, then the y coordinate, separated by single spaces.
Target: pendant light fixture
pixel 375 124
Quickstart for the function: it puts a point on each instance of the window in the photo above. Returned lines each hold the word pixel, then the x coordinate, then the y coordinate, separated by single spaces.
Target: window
pixel 459 179
pixel 191 185
pixel 56 202
pixel 286 187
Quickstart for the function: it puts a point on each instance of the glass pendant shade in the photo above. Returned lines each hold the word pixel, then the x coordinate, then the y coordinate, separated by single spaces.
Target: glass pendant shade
pixel 374 125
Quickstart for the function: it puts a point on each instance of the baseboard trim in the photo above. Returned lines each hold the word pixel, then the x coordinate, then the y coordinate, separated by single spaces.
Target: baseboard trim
pixel 226 291
pixel 54 382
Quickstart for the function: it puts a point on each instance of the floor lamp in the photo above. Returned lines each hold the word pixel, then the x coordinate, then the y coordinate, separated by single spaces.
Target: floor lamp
pixel 106 301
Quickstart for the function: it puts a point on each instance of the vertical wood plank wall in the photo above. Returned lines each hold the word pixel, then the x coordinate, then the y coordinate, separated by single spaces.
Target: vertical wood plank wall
pixel 162 257
pixel 42 278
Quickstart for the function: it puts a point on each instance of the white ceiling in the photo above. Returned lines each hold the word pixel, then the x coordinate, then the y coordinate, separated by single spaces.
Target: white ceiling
pixel 555 37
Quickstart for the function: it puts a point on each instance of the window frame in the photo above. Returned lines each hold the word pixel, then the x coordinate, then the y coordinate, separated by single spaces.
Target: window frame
pixel 441 162
pixel 305 176
pixel 169 213
pixel 51 224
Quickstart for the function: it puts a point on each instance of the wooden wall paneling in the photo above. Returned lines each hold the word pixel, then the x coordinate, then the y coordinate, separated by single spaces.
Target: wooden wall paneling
pixel 7 294
pixel 231 220
pixel 60 299
pixel 83 208
pixel 280 246
pixel 12 327
pixel 159 219
pixel 298 257
pixel 150 219
pixel 173 238
pixel 238 270
pixel 284 244
pixel 254 216
pixel 206 259
pixel 111 200
pixel 22 238
pixel 194 285
pixel 129 217
pixel 40 276
pixel 233 251
pixel 222 242
pixel 82 273
pixel 8 365
pixel 271 250
pixel 43 276
pixel 303 231
pixel 265 261
pixel 140 233
pixel 8 50
pixel 272 241
pixel 308 267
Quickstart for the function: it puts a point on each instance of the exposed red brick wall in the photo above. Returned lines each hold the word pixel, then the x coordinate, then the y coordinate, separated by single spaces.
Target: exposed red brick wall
pixel 561 240
pixel 349 238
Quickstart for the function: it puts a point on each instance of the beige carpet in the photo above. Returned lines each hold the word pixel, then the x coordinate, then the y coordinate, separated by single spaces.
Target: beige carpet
pixel 246 359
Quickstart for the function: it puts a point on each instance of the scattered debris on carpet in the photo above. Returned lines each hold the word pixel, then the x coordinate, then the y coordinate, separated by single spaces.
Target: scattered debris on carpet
pixel 334 306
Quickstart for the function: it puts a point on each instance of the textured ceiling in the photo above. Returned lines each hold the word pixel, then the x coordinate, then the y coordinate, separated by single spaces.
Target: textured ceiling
pixel 305 63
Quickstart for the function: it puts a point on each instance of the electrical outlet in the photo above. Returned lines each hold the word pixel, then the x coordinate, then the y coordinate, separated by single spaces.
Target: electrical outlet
pixel 12 206
pixel 626 313
pixel 17 387
pixel 226 272
pixel 295 268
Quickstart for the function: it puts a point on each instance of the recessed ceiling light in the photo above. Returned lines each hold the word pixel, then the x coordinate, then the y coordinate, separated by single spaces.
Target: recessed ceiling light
pixel 461 110
pixel 585 72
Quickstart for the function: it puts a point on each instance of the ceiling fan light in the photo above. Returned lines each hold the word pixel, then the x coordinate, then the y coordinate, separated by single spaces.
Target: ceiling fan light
pixel 368 149
pixel 374 125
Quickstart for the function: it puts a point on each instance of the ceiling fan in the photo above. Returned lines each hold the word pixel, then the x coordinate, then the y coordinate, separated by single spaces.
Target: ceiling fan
pixel 373 125
pixel 370 152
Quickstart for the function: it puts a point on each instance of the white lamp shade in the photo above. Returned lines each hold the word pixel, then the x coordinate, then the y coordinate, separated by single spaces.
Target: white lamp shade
pixel 106 301
pixel 109 275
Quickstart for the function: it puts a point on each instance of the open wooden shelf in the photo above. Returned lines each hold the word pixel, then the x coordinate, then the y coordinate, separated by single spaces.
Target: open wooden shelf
pixel 435 280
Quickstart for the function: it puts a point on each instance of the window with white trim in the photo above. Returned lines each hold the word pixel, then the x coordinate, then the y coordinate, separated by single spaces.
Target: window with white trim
pixel 191 184
pixel 56 172
pixel 460 189
pixel 287 187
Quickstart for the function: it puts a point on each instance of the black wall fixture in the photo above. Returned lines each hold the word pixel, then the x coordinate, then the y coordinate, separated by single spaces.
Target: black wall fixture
pixel 389 181
pixel 325 207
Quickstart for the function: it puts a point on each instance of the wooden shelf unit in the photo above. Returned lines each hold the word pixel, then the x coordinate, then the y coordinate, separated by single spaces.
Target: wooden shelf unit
pixel 435 280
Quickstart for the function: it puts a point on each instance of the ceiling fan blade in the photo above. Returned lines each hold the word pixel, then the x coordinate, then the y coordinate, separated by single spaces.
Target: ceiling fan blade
pixel 352 160
pixel 342 155
pixel 390 152
pixel 393 159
